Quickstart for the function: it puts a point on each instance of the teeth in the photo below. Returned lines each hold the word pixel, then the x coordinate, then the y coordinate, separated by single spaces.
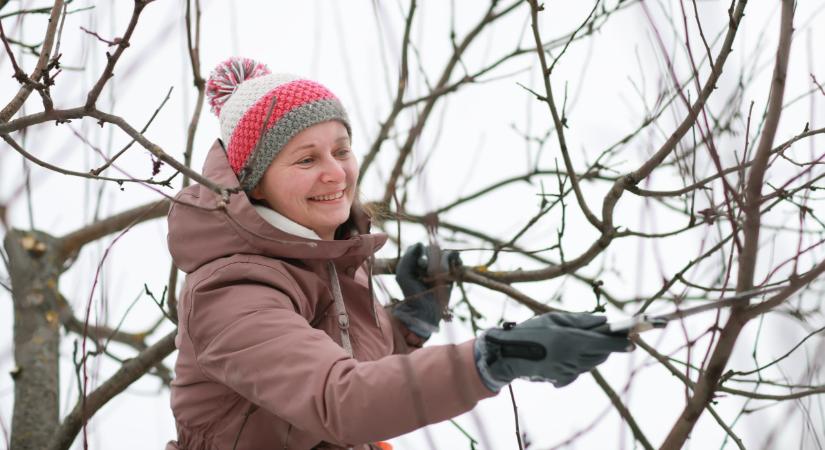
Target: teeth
pixel 334 196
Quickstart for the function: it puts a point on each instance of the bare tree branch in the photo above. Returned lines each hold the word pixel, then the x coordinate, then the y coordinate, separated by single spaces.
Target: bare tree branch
pixel 534 305
pixel 74 241
pixel 707 382
pixel 40 68
pixel 193 44
pixel 621 408
pixel 29 156
pixel 78 113
pixel 558 121
pixel 131 371
pixel 664 361
pixel 412 137
pixel 734 169
pixel 398 106
pixel 122 44
pixel 117 155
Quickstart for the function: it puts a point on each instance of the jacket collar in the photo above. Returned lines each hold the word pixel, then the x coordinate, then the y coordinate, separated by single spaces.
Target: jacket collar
pixel 285 224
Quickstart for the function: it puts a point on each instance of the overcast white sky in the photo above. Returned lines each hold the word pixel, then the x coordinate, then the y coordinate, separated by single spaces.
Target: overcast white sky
pixel 474 139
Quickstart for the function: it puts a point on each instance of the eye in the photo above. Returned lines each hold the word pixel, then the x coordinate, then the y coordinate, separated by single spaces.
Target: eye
pixel 343 152
pixel 305 161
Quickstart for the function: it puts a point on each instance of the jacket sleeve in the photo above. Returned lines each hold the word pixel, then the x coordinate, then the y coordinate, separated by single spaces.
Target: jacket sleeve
pixel 253 338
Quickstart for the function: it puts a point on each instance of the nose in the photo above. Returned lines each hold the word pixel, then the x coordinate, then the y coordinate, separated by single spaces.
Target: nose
pixel 332 170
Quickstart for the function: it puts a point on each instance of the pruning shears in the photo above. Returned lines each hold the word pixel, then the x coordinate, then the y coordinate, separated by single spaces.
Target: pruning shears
pixel 433 265
pixel 645 322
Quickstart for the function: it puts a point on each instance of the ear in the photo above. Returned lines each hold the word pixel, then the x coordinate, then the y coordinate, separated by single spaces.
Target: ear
pixel 256 193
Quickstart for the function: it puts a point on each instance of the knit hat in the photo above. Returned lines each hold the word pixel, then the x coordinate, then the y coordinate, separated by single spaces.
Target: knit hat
pixel 244 94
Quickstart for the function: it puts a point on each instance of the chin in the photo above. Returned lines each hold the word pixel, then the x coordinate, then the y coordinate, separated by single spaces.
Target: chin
pixel 343 213
pixel 333 222
pixel 339 220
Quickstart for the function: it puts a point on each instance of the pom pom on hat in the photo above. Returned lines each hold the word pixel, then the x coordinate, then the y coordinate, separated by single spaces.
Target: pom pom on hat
pixel 227 76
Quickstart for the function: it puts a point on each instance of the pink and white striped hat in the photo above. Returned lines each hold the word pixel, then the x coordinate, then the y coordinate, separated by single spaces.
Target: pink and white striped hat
pixel 260 112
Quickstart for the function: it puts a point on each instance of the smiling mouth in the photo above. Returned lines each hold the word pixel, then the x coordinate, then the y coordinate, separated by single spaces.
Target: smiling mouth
pixel 328 197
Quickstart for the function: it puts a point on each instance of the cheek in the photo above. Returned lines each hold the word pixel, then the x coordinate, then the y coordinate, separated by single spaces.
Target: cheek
pixel 280 194
pixel 351 169
pixel 298 187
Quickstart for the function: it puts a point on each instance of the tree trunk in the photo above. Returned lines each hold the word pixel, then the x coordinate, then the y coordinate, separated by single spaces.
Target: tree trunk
pixel 35 265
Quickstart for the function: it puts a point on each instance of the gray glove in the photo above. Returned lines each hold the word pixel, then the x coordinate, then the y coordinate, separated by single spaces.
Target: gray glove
pixel 554 347
pixel 421 311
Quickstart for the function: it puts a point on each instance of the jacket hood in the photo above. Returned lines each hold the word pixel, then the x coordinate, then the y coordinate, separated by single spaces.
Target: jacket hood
pixel 202 228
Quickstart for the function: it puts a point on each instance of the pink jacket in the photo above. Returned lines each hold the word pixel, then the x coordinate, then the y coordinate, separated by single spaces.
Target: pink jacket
pixel 260 362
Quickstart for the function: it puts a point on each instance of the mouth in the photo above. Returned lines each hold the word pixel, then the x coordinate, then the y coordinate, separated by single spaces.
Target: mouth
pixel 328 197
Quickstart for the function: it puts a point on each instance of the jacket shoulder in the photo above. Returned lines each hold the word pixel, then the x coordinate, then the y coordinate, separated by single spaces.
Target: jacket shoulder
pixel 227 289
pixel 248 269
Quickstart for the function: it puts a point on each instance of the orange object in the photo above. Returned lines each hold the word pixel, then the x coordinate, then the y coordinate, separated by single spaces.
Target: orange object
pixel 384 445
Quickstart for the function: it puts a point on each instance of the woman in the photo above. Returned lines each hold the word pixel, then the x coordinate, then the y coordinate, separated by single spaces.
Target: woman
pixel 281 341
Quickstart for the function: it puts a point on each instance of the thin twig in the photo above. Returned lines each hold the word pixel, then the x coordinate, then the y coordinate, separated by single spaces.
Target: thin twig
pixel 666 362
pixel 132 141
pixel 73 324
pixel 777 360
pixel 415 131
pixel 19 75
pixel 621 408
pixel 193 45
pixel 110 43
pixel 726 427
pixel 733 169
pixel 515 417
pixel 64 115
pixel 45 10
pixel 74 241
pixel 29 156
pixel 112 59
pixel 557 119
pixel 398 106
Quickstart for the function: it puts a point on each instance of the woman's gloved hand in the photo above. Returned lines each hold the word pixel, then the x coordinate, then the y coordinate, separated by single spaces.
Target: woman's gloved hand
pixel 421 309
pixel 554 347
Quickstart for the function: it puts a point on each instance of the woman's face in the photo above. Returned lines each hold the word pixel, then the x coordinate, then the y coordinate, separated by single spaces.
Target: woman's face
pixel 312 180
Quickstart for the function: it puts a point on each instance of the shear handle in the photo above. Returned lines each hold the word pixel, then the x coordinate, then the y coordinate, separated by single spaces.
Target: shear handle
pixel 636 324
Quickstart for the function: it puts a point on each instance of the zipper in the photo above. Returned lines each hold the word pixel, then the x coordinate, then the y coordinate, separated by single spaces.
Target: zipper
pixel 370 262
pixel 340 308
pixel 252 409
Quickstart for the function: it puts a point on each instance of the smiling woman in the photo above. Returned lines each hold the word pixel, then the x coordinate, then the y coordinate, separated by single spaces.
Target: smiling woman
pixel 281 341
